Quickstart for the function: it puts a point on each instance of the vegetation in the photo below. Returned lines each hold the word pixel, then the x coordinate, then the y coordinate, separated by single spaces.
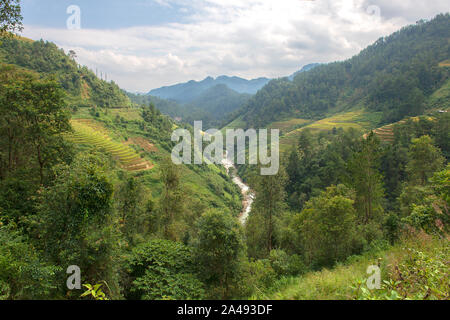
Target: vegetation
pixel 394 76
pixel 82 86
pixel 210 105
pixel 74 189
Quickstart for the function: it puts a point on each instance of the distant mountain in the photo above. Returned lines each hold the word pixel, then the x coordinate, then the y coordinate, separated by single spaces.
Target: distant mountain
pixel 304 69
pixel 214 104
pixel 189 91
pixel 211 106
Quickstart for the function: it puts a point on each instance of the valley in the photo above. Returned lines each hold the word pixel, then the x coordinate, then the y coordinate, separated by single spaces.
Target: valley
pixel 88 179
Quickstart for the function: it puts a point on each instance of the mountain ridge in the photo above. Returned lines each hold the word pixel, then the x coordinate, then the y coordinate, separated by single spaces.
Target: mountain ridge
pixel 187 91
pixel 394 76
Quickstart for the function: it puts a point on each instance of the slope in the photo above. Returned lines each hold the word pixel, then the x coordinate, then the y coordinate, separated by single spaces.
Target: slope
pixel 394 77
pixel 81 85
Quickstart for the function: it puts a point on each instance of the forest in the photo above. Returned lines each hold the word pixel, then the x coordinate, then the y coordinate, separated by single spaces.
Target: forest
pixel 86 179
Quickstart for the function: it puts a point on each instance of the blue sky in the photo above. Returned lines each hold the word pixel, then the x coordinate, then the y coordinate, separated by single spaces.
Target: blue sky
pixel 145 44
pixel 103 14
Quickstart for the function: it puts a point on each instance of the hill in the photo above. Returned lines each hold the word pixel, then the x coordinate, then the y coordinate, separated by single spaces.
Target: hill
pixel 139 141
pixel 102 119
pixel 82 86
pixel 393 77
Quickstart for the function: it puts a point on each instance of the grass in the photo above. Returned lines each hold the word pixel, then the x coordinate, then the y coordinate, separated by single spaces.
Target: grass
pixel 238 123
pixel 128 114
pixel 440 99
pixel 340 282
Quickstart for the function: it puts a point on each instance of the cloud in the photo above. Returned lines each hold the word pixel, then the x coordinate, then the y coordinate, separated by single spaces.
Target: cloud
pixel 250 39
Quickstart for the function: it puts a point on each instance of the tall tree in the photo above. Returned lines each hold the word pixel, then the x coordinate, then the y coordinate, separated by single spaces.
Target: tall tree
pixel 367 180
pixel 33 117
pixel 425 159
pixel 74 223
pixel 171 202
pixel 220 250
pixel 327 226
pixel 269 203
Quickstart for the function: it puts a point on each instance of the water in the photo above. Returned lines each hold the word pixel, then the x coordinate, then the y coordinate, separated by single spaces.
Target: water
pixel 248 195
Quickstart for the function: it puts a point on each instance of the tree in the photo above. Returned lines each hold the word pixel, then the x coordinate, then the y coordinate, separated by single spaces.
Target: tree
pixel 427 207
pixel 162 269
pixel 72 54
pixel 33 118
pixel 171 202
pixel 75 222
pixel 135 208
pixel 10 16
pixel 220 252
pixel 366 179
pixel 327 226
pixel 425 159
pixel 269 203
pixel 23 273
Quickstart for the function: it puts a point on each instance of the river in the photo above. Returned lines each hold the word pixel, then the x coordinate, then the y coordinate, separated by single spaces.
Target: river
pixel 247 194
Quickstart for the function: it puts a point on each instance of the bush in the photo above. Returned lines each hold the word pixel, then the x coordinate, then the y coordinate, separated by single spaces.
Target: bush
pixel 162 269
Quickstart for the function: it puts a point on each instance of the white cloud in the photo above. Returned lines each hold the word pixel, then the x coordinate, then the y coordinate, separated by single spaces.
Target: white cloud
pixel 245 38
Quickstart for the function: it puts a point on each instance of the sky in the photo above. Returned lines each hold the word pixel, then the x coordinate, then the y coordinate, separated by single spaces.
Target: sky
pixel 146 44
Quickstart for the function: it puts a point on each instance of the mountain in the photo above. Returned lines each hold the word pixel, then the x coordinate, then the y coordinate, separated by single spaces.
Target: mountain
pixel 304 69
pixel 389 80
pixel 211 106
pixel 189 91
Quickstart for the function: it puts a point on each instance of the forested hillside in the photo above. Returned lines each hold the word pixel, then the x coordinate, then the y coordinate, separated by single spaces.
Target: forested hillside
pixel 211 106
pixel 87 181
pixel 394 76
pixel 82 86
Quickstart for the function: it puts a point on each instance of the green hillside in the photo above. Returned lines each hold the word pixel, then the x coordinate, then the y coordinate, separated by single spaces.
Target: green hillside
pixel 211 106
pixel 396 76
pixel 120 125
pixel 82 86
pixel 142 145
pixel 401 268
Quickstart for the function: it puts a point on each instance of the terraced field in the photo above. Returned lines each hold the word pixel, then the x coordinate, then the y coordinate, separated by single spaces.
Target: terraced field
pixel 91 133
pixel 353 119
pixel 289 125
pixel 386 133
